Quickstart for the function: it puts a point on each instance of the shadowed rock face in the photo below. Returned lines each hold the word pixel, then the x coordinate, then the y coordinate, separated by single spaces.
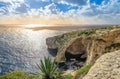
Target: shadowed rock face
pixel 53 52
pixel 77 57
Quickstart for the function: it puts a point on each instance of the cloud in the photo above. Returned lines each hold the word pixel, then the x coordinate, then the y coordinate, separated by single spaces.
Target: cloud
pixel 3 11
pixel 105 12
pixel 108 12
pixel 12 1
pixel 111 7
pixel 52 9
pixel 42 0
pixel 47 11
pixel 23 8
pixel 12 7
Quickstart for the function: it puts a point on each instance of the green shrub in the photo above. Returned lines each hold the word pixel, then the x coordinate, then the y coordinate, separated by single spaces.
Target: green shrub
pixel 82 71
pixel 16 75
pixel 48 68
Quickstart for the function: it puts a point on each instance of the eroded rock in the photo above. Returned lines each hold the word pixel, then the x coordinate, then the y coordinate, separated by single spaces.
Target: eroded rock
pixel 106 67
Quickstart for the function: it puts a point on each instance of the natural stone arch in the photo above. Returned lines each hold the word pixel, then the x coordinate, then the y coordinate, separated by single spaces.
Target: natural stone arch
pixel 75 50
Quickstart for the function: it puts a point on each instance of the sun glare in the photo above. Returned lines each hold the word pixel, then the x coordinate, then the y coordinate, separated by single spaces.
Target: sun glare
pixel 35 25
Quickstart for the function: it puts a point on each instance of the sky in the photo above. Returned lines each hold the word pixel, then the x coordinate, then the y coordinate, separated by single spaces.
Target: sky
pixel 60 12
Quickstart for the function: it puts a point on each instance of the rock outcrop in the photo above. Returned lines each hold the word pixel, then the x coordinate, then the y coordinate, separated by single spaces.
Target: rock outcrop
pixel 106 67
pixel 88 45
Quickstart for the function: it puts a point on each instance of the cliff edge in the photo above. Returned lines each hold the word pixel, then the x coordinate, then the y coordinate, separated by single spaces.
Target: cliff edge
pixel 85 46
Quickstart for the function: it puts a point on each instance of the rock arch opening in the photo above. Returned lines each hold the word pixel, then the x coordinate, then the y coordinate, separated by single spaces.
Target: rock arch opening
pixel 75 55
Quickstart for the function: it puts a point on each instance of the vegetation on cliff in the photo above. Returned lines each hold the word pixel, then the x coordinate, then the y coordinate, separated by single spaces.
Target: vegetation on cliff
pixel 16 75
pixel 82 71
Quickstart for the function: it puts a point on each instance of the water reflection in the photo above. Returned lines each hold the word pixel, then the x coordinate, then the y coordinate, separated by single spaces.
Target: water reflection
pixel 21 49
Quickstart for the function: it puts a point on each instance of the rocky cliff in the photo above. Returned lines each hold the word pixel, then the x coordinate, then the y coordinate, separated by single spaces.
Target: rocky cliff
pixel 85 46
pixel 106 67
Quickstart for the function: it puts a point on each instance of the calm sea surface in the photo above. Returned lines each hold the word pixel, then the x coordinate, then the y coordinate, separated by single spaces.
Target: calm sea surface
pixel 22 49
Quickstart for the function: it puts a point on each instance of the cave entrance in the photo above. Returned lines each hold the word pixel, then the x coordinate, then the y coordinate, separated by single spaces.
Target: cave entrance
pixel 75 61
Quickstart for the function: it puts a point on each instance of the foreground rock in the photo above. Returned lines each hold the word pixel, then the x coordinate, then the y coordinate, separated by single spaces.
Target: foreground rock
pixel 106 67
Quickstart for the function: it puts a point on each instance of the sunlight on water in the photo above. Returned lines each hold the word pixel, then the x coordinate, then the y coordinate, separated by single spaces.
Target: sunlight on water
pixel 22 49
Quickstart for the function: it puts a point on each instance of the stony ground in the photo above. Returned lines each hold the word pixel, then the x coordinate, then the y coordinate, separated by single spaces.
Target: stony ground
pixel 106 67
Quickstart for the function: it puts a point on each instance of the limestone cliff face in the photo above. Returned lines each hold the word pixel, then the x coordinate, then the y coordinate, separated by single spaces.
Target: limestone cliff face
pixel 89 44
pixel 106 67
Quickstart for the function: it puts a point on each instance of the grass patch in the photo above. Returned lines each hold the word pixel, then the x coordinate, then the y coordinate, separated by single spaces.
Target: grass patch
pixel 86 33
pixel 82 71
pixel 16 75
pixel 68 76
